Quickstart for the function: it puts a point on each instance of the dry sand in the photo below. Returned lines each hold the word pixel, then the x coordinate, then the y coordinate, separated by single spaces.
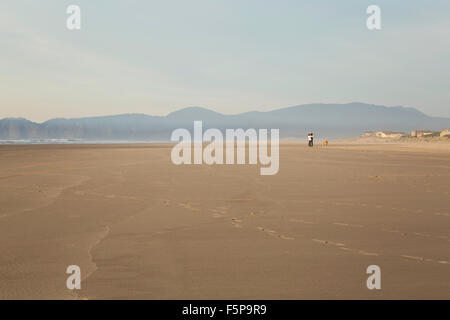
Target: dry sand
pixel 140 227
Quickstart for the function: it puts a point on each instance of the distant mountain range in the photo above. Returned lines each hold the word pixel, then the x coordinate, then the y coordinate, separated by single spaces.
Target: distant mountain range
pixel 325 120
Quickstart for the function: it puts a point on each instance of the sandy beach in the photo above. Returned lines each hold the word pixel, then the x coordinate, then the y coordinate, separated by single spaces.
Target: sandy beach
pixel 141 227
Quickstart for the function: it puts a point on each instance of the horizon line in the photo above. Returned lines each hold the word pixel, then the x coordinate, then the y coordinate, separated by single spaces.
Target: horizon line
pixel 204 108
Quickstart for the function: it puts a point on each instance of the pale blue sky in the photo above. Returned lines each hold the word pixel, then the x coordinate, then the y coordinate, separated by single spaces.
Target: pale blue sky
pixel 231 56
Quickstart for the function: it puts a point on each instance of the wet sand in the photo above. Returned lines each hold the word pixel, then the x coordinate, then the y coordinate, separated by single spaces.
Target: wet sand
pixel 140 227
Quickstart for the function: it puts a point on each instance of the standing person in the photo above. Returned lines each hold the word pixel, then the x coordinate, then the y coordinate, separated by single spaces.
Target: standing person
pixel 310 139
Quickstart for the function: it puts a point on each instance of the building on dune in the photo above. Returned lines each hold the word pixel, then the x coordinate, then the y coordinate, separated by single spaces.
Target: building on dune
pixel 388 134
pixel 445 133
pixel 385 134
pixel 430 134
pixel 423 133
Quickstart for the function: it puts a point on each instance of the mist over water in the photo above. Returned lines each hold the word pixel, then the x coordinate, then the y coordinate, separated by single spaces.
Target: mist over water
pixel 72 141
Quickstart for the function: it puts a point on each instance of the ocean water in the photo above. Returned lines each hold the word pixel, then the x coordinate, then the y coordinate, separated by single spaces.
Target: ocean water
pixel 73 141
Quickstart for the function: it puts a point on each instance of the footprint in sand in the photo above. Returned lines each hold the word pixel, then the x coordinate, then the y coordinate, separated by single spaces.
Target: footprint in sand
pixel 268 231
pixel 219 212
pixel 273 233
pixel 421 259
pixel 282 236
pixel 358 251
pixel 302 221
pixel 348 225
pixel 422 234
pixel 337 244
pixel 188 206
pixel 236 222
pixel 341 246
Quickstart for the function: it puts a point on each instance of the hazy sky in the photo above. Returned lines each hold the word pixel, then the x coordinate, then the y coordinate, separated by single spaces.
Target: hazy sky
pixel 231 56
